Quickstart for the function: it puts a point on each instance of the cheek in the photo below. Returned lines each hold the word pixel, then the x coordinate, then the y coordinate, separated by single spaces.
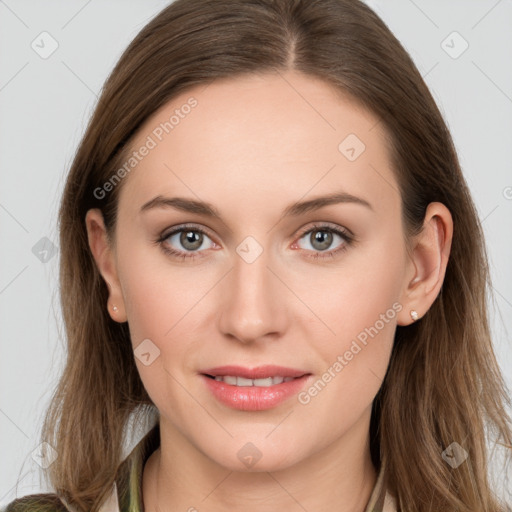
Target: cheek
pixel 359 308
pixel 159 297
pixel 355 361
pixel 360 293
pixel 157 316
pixel 162 304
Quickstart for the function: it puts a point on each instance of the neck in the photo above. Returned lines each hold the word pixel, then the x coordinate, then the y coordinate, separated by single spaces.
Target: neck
pixel 177 477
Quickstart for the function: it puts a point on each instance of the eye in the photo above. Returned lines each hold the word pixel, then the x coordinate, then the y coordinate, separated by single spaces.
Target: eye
pixel 321 237
pixel 185 241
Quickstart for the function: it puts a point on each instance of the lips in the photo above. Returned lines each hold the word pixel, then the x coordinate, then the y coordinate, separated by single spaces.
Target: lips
pixel 254 389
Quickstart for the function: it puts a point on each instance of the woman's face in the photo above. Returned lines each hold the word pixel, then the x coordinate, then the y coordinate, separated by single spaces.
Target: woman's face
pixel 275 277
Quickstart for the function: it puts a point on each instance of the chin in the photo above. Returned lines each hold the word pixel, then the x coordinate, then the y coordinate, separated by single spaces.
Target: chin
pixel 251 459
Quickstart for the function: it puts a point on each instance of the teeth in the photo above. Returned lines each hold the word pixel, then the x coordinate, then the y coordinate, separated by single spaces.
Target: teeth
pixel 241 381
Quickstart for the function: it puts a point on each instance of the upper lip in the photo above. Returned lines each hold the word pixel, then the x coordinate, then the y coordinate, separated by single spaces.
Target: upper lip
pixel 259 372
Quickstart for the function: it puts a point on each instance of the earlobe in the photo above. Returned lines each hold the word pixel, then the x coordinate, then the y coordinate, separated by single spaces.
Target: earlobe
pixel 430 253
pixel 104 257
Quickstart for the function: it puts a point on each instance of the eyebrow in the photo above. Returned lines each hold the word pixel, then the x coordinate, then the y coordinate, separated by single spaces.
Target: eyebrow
pixel 295 209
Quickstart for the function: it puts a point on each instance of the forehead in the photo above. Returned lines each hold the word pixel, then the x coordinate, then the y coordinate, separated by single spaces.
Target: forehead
pixel 273 135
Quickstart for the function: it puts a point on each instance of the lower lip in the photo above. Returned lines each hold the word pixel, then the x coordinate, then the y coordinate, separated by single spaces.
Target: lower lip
pixel 254 398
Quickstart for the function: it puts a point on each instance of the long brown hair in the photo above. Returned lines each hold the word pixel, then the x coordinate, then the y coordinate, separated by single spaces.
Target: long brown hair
pixel 443 383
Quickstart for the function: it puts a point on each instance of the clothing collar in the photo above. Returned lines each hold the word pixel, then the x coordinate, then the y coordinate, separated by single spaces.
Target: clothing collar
pixel 130 472
pixel 380 499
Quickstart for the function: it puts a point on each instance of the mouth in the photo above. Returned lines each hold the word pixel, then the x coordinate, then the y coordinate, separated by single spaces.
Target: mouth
pixel 254 389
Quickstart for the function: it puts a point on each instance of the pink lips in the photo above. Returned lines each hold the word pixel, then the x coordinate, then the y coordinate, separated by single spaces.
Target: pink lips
pixel 254 398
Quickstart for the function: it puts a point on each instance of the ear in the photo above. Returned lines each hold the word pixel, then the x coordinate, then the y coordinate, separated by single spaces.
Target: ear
pixel 427 264
pixel 104 256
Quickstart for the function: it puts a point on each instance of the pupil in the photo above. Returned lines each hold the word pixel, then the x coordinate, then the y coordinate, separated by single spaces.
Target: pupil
pixel 324 237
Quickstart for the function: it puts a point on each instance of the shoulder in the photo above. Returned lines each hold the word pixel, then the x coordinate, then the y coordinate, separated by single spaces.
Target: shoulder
pixel 46 502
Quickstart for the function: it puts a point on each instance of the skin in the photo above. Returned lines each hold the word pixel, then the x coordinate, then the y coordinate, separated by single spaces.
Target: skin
pixel 251 147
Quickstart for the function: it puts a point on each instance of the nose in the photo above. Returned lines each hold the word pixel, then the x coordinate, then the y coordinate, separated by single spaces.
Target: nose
pixel 253 302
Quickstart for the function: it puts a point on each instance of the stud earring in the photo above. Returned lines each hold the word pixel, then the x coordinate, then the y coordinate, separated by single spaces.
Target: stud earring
pixel 414 315
pixel 115 308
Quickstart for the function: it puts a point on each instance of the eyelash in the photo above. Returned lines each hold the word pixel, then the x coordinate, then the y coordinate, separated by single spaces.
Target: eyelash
pixel 347 237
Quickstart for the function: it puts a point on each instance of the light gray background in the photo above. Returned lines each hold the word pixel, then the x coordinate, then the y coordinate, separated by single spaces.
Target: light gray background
pixel 44 106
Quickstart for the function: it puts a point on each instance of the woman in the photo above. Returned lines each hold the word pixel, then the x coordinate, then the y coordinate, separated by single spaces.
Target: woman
pixel 267 240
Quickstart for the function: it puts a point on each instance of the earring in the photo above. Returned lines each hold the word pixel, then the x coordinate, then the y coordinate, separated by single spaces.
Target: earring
pixel 115 308
pixel 414 315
